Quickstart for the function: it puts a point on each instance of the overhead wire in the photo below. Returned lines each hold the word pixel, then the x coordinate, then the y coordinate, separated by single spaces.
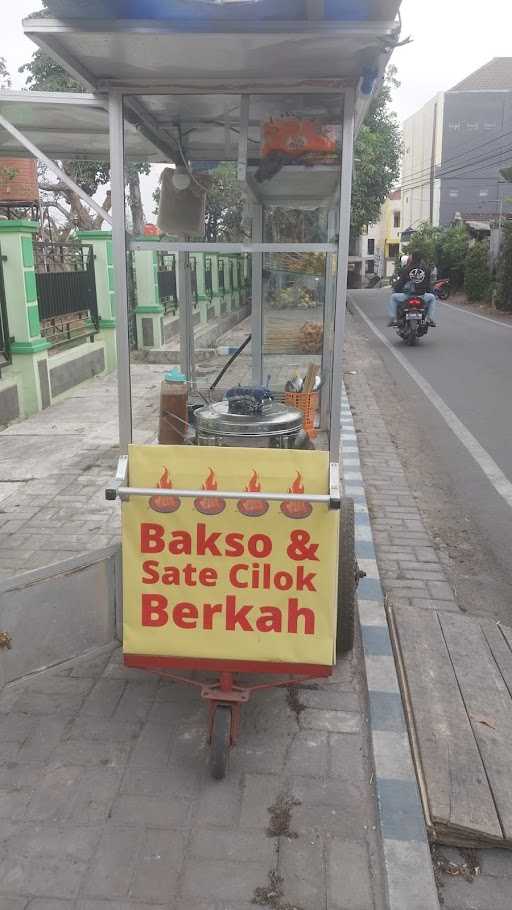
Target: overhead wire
pixel 426 170
pixel 497 157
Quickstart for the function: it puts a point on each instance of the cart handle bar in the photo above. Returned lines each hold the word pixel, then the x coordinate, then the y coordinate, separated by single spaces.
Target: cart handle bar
pixel 124 492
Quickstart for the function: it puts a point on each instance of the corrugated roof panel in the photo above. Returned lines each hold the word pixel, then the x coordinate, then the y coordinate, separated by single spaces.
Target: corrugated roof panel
pixel 72 126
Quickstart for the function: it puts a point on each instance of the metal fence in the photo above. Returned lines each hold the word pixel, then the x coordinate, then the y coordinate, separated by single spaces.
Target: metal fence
pixel 4 326
pixel 131 277
pixel 167 282
pixel 66 291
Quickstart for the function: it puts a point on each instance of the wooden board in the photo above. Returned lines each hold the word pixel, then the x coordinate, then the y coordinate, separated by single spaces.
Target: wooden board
pixel 488 705
pixel 460 801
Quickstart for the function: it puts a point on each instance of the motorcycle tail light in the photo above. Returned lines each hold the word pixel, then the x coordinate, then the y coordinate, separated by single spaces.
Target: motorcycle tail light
pixel 415 301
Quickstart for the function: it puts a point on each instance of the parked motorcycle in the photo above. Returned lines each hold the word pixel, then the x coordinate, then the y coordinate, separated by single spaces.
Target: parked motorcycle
pixel 412 320
pixel 442 288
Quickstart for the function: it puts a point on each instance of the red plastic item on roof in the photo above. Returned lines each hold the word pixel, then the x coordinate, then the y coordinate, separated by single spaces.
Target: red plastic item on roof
pixel 296 137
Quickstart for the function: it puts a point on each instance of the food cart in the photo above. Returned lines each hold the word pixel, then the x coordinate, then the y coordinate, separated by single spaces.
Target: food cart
pixel 238 562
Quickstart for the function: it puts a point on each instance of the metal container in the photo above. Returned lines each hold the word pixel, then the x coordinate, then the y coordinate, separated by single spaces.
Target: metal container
pixel 278 426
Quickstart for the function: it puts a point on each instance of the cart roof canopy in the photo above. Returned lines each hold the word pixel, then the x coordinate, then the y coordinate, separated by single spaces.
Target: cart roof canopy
pixel 67 125
pixel 185 63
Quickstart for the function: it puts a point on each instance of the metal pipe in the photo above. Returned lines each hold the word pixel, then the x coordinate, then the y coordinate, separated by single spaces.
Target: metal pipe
pixel 341 284
pixel 52 166
pixel 124 398
pixel 173 246
pixel 257 297
pixel 123 492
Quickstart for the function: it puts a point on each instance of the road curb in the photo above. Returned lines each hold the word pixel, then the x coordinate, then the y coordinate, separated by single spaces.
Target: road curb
pixel 408 873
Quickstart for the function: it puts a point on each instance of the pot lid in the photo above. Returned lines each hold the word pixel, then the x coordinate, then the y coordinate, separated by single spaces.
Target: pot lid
pixel 276 418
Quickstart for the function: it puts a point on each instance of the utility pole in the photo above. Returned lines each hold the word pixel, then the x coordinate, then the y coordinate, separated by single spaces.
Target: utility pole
pixel 433 165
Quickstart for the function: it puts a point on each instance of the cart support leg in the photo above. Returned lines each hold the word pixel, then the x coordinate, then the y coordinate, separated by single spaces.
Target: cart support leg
pixel 116 126
pixel 341 287
pixel 257 298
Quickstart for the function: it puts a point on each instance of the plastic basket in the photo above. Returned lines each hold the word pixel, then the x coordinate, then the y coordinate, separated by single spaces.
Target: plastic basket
pixel 307 402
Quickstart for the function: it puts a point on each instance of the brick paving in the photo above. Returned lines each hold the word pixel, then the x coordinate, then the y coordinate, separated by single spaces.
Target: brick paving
pixel 106 802
pixel 54 467
pixel 411 571
pixel 413 574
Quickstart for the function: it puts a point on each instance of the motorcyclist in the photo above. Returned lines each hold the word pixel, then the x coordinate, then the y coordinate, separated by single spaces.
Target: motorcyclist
pixel 413 280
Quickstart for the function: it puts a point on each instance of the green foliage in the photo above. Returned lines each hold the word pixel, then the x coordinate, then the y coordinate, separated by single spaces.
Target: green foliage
pixel 477 275
pixel 377 158
pixel 5 80
pixel 445 247
pixel 224 204
pixel 504 271
pixel 43 74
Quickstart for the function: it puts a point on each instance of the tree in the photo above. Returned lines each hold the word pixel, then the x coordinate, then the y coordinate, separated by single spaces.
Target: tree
pixel 444 247
pixel 224 204
pixel 44 74
pixel 477 275
pixel 504 271
pixel 377 157
pixel 5 79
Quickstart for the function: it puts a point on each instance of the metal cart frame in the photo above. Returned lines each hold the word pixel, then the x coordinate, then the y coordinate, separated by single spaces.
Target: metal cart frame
pixel 122 96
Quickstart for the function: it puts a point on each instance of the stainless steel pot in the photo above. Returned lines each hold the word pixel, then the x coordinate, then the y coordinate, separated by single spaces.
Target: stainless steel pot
pixel 278 426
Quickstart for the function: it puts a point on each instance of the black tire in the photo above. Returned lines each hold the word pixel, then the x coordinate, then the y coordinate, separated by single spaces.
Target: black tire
pixel 444 293
pixel 220 742
pixel 412 337
pixel 347 575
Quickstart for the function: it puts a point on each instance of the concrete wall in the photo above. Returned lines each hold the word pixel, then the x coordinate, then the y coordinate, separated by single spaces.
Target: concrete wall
pixel 59 612
pixel 419 133
pixel 476 125
pixel 75 365
pixel 10 404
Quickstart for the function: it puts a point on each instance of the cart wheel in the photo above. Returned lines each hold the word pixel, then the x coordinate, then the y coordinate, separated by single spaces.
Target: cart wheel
pixel 348 573
pixel 220 741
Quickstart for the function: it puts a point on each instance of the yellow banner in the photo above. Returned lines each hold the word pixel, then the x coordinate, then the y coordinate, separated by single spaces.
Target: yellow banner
pixel 231 579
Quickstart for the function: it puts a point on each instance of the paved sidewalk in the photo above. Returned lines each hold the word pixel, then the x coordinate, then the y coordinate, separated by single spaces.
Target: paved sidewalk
pixel 106 802
pixel 54 468
pixel 412 569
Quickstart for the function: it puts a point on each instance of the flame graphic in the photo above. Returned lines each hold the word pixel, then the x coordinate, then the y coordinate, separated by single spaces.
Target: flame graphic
pixel 297 485
pixel 164 503
pixel 254 485
pixel 296 509
pixel 210 505
pixel 253 508
pixel 165 481
pixel 210 482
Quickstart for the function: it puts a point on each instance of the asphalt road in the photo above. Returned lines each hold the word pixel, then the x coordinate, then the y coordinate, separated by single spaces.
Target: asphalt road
pixel 465 369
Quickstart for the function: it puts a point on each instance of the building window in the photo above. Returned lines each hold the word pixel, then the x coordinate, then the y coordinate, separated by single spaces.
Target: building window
pixel 370 267
pixel 371 247
pixel 396 219
pixel 483 193
pixel 453 194
pixel 393 250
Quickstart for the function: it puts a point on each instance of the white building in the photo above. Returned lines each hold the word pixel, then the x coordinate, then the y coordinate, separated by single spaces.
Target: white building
pixel 422 154
pixel 380 245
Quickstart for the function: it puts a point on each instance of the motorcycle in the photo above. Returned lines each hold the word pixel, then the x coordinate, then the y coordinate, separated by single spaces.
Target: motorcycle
pixel 412 320
pixel 442 289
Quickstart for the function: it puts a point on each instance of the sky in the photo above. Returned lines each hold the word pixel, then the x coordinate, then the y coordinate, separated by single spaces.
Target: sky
pixel 451 38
